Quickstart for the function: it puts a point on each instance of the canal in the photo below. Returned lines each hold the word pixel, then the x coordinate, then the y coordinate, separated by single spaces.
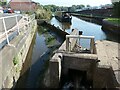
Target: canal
pixel 39 52
pixel 89 27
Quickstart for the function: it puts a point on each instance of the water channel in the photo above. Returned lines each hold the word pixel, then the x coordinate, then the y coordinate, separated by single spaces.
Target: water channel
pixel 39 51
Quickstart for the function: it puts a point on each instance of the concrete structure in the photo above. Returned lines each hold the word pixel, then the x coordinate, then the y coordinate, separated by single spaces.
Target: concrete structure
pixel 109 65
pixel 101 67
pixel 23 5
pixel 13 57
pixel 55 64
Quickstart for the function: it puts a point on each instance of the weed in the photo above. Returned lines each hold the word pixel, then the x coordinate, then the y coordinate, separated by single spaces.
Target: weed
pixel 15 60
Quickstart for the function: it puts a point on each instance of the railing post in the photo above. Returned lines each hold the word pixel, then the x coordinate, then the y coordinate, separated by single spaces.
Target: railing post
pixel 6 31
pixel 92 45
pixel 67 44
pixel 17 25
pixel 24 23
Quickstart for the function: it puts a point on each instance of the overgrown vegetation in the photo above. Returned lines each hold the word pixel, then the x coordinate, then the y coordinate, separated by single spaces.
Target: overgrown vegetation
pixel 15 60
pixel 114 20
pixel 50 40
pixel 43 13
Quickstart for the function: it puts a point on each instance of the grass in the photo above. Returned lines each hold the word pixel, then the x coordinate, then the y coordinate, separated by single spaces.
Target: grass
pixel 114 20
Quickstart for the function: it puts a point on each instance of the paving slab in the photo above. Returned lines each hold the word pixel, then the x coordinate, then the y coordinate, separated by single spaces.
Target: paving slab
pixel 109 54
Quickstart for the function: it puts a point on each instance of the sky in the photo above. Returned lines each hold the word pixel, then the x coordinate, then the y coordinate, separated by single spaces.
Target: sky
pixel 73 2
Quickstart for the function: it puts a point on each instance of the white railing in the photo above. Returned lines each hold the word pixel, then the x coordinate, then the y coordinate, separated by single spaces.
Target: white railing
pixel 68 49
pixel 4 32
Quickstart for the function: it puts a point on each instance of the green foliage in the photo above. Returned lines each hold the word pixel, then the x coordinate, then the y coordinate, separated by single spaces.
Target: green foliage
pixel 116 7
pixel 55 8
pixel 15 60
pixel 114 20
pixel 88 6
pixel 2 3
pixel 43 13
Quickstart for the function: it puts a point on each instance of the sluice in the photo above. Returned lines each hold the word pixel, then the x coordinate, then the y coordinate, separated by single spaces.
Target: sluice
pixel 76 80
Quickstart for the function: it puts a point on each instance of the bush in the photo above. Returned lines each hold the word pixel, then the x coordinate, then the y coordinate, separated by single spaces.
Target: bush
pixel 42 13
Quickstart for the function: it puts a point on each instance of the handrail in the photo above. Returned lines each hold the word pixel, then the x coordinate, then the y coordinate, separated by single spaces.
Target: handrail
pixel 80 36
pixel 10 16
pixel 6 32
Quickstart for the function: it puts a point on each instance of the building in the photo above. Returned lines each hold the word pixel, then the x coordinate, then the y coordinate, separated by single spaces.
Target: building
pixel 23 5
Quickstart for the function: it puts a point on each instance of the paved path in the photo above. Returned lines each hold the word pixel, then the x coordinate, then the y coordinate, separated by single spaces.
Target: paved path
pixel 109 54
pixel 13 26
pixel 10 22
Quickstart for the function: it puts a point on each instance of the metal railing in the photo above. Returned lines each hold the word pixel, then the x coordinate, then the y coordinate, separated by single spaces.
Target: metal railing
pixel 68 47
pixel 5 32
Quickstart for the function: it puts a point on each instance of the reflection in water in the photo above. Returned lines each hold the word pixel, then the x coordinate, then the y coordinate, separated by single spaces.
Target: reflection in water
pixel 64 26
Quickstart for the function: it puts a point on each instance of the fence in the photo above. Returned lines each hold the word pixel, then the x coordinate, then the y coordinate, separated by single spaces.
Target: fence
pixel 10 24
pixel 68 43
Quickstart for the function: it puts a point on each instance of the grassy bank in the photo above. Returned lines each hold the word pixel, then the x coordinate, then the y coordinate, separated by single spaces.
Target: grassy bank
pixel 114 20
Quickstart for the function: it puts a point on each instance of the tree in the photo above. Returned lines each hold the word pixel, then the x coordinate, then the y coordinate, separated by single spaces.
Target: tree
pixel 116 8
pixel 3 2
pixel 88 6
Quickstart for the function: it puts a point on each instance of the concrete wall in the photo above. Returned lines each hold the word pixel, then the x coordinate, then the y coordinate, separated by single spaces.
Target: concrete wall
pixel 81 62
pixel 10 73
pixel 108 26
pixel 55 64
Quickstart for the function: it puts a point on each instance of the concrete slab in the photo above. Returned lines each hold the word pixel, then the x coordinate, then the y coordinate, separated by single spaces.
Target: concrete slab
pixel 3 38
pixel 108 54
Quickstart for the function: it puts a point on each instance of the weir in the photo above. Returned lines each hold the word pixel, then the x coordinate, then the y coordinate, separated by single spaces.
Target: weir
pixel 66 59
pixel 90 63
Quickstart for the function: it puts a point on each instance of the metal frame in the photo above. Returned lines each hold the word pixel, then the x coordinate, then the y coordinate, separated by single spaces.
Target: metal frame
pixel 79 36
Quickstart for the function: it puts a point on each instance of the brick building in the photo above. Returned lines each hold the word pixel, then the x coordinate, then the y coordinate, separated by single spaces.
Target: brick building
pixel 23 5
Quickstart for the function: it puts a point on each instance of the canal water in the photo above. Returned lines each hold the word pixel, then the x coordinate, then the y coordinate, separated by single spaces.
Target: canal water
pixel 37 59
pixel 89 27
pixel 39 52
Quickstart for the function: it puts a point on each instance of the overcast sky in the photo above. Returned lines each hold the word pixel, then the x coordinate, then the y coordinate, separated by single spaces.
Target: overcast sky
pixel 73 2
